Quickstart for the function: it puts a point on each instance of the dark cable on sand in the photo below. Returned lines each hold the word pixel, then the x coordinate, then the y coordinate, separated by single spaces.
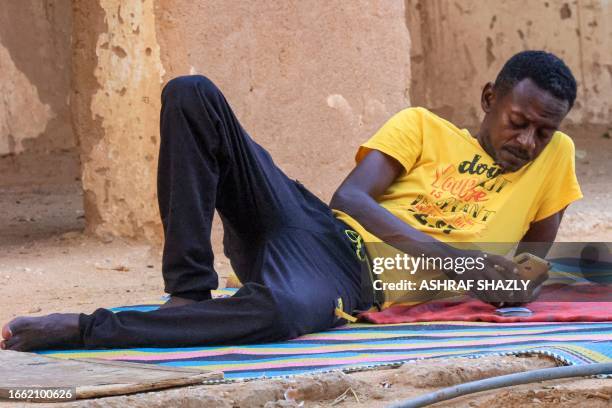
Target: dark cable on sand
pixel 505 381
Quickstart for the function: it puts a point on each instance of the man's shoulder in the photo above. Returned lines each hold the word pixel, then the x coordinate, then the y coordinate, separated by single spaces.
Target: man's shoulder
pixel 423 116
pixel 564 139
pixel 561 144
pixel 419 111
pixel 559 153
pixel 412 112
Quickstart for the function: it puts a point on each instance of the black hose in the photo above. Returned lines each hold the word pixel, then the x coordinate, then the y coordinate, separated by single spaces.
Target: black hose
pixel 505 381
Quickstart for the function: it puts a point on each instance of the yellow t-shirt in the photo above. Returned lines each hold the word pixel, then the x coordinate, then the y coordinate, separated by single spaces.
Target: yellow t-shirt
pixel 451 189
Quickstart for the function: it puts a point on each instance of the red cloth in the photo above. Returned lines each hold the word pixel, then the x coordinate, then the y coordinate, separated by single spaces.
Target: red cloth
pixel 556 303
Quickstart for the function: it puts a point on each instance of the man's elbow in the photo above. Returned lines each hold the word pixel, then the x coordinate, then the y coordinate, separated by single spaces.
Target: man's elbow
pixel 346 200
pixel 339 200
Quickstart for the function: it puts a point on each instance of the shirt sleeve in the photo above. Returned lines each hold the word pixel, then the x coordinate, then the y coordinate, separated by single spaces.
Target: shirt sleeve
pixel 562 186
pixel 401 137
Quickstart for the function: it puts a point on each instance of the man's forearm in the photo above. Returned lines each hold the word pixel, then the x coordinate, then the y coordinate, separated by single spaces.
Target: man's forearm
pixel 387 227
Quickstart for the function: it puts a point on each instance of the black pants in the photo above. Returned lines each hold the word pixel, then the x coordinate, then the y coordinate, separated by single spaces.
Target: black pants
pixel 284 244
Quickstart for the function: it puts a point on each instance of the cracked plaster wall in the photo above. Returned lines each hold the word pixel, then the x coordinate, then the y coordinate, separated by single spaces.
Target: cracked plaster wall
pixel 35 76
pixel 460 45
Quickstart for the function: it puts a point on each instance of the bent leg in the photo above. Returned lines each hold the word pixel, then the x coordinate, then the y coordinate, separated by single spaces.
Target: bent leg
pixel 207 161
pixel 187 180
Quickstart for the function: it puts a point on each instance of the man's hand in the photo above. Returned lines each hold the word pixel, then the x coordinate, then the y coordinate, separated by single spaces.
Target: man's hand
pixel 498 268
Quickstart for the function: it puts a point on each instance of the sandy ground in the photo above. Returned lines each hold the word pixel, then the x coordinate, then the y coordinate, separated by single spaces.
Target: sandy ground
pixel 380 388
pixel 48 265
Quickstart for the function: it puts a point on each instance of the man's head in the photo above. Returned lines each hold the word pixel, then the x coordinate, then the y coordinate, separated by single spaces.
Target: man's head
pixel 531 95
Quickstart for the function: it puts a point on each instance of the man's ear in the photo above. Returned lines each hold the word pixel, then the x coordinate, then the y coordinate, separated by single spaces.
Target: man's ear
pixel 488 97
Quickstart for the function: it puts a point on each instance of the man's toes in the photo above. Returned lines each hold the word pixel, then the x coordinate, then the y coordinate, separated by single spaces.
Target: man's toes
pixel 6 332
pixel 9 344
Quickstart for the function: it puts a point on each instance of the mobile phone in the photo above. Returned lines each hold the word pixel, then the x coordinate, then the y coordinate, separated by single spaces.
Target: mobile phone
pixel 513 312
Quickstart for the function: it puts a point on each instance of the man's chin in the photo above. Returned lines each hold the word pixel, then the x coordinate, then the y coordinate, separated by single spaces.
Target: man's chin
pixel 510 167
pixel 510 163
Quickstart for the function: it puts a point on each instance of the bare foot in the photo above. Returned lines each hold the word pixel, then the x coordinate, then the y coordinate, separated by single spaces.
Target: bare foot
pixel 57 330
pixel 175 301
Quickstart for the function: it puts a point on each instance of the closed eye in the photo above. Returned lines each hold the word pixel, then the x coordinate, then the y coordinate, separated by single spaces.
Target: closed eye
pixel 518 125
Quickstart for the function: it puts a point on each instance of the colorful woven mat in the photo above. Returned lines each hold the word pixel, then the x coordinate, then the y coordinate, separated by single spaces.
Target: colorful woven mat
pixel 361 346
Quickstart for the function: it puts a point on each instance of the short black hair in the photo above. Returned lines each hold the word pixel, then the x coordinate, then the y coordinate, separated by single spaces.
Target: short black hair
pixel 547 70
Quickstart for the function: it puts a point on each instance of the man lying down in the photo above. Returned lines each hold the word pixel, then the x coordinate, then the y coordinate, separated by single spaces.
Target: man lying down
pixel 300 260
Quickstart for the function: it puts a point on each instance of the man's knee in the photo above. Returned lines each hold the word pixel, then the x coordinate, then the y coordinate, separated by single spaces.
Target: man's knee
pixel 177 88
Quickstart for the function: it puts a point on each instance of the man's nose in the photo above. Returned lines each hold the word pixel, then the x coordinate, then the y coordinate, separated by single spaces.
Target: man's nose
pixel 526 140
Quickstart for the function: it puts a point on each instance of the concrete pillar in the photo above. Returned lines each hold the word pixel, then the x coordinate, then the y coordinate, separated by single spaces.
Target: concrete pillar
pixel 118 76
